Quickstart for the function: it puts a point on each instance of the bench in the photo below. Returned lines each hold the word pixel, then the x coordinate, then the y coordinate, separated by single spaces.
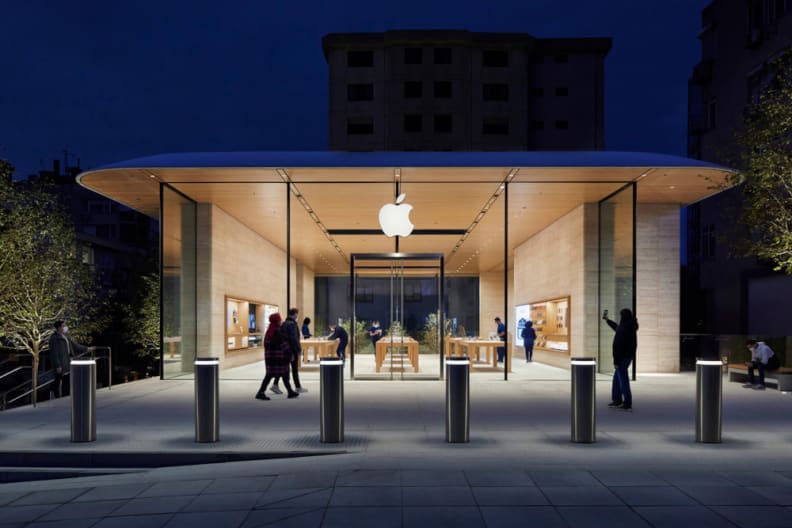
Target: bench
pixel 781 377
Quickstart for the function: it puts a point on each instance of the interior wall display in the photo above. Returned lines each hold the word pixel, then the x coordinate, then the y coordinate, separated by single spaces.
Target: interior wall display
pixel 522 314
pixel 551 321
pixel 246 322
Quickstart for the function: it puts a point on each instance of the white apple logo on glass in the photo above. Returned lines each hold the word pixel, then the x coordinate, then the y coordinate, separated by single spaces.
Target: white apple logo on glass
pixel 395 218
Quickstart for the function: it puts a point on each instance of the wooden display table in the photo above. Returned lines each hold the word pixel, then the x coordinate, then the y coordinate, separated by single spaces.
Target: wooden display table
pixel 320 347
pixel 474 346
pixel 386 343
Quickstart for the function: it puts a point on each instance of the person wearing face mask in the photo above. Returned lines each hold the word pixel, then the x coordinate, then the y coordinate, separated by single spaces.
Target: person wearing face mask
pixel 61 350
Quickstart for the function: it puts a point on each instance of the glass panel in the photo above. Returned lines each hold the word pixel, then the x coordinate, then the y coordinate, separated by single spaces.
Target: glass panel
pixel 616 271
pixel 178 283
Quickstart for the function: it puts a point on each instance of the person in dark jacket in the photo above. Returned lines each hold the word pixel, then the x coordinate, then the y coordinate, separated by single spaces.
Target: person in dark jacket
pixel 61 350
pixel 292 332
pixel 529 336
pixel 277 355
pixel 339 333
pixel 306 328
pixel 625 342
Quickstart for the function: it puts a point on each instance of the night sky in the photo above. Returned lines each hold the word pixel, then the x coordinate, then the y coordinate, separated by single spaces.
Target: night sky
pixel 110 80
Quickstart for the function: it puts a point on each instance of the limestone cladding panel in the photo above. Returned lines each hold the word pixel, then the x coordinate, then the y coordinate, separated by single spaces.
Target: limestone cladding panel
pixel 491 301
pixel 562 260
pixel 657 287
pixel 242 264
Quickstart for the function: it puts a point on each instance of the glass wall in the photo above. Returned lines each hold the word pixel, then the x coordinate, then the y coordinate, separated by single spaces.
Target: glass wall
pixel 616 265
pixel 178 223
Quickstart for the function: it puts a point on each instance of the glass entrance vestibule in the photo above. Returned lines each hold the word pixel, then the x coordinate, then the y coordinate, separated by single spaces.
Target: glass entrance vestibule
pixel 497 240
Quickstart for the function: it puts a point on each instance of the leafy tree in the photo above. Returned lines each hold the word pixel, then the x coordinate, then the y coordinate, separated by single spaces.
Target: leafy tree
pixel 430 334
pixel 43 279
pixel 765 159
pixel 142 319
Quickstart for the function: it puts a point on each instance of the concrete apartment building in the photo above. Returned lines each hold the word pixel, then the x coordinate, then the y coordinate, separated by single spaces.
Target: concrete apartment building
pixel 462 90
pixel 727 294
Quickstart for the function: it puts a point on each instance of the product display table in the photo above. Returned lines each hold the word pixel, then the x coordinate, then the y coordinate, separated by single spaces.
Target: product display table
pixel 387 343
pixel 474 346
pixel 320 347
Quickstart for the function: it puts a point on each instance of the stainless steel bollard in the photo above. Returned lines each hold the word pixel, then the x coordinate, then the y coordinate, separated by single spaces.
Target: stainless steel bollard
pixel 83 400
pixel 207 399
pixel 457 400
pixel 584 428
pixel 331 400
pixel 709 400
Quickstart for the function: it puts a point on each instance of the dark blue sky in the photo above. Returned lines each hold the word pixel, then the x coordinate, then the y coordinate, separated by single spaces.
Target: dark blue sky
pixel 110 80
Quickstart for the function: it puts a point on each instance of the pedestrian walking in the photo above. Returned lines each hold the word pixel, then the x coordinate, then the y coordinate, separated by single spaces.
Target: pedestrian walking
pixel 292 332
pixel 277 356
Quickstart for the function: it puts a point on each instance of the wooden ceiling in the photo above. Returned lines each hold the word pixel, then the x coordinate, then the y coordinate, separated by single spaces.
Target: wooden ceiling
pixel 350 198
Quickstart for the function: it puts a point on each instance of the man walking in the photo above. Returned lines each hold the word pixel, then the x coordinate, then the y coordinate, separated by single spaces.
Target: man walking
pixel 291 331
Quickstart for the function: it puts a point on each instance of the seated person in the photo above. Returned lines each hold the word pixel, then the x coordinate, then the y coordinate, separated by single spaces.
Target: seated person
pixel 375 332
pixel 762 358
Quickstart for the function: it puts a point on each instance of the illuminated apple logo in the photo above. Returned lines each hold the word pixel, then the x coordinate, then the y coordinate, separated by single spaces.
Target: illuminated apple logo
pixel 394 219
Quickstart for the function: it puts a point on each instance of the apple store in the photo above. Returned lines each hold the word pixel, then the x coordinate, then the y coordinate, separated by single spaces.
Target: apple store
pixel 431 245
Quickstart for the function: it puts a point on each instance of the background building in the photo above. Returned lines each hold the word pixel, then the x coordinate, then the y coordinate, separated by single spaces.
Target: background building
pixel 724 294
pixel 460 90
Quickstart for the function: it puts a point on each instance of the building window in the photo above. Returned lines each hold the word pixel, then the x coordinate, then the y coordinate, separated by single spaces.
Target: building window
pixel 711 107
pixel 360 59
pixel 562 124
pixel 537 124
pixel 360 126
pixel 413 56
pixel 360 92
pixel 442 123
pixel 495 127
pixel 87 255
pixel 412 90
pixel 442 89
pixel 537 91
pixel 708 239
pixel 413 123
pixel 561 58
pixel 537 59
pixel 561 91
pixel 495 59
pixel 442 55
pixel 495 92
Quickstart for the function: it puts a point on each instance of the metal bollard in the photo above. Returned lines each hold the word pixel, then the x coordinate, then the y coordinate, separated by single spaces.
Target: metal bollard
pixel 457 400
pixel 83 400
pixel 709 401
pixel 584 429
pixel 207 399
pixel 331 400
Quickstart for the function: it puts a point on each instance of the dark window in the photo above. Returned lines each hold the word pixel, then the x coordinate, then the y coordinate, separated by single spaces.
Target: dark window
pixel 561 59
pixel 537 91
pixel 442 89
pixel 562 124
pixel 495 127
pixel 537 124
pixel 413 122
pixel 711 108
pixel 412 90
pixel 561 91
pixel 537 59
pixel 360 59
pixel 495 59
pixel 442 123
pixel 360 126
pixel 495 92
pixel 360 92
pixel 413 55
pixel 708 240
pixel 442 55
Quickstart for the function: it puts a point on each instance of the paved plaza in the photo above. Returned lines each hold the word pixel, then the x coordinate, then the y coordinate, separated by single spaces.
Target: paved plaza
pixel 395 469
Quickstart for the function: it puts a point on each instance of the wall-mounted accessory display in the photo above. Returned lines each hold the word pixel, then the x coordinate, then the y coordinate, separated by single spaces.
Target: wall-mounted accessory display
pixel 551 321
pixel 246 322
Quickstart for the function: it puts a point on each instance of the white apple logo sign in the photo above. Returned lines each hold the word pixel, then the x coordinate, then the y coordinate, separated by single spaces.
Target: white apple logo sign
pixel 394 219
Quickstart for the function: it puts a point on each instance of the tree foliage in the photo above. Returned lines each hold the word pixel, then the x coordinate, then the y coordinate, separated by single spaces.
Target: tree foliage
pixel 42 278
pixel 765 162
pixel 142 318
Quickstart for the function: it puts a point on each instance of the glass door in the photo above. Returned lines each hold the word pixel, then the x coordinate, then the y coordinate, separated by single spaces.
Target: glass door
pixel 397 317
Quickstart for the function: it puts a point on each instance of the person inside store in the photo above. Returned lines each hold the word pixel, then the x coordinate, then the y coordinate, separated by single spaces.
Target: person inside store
pixel 762 359
pixel 502 336
pixel 529 336
pixel 61 350
pixel 338 332
pixel 277 356
pixel 625 342
pixel 306 328
pixel 375 332
pixel 289 328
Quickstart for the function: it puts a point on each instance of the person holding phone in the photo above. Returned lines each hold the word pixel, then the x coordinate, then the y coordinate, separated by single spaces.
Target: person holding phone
pixel 625 343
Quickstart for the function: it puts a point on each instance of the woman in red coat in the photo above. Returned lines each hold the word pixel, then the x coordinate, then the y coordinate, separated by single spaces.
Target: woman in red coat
pixel 277 355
